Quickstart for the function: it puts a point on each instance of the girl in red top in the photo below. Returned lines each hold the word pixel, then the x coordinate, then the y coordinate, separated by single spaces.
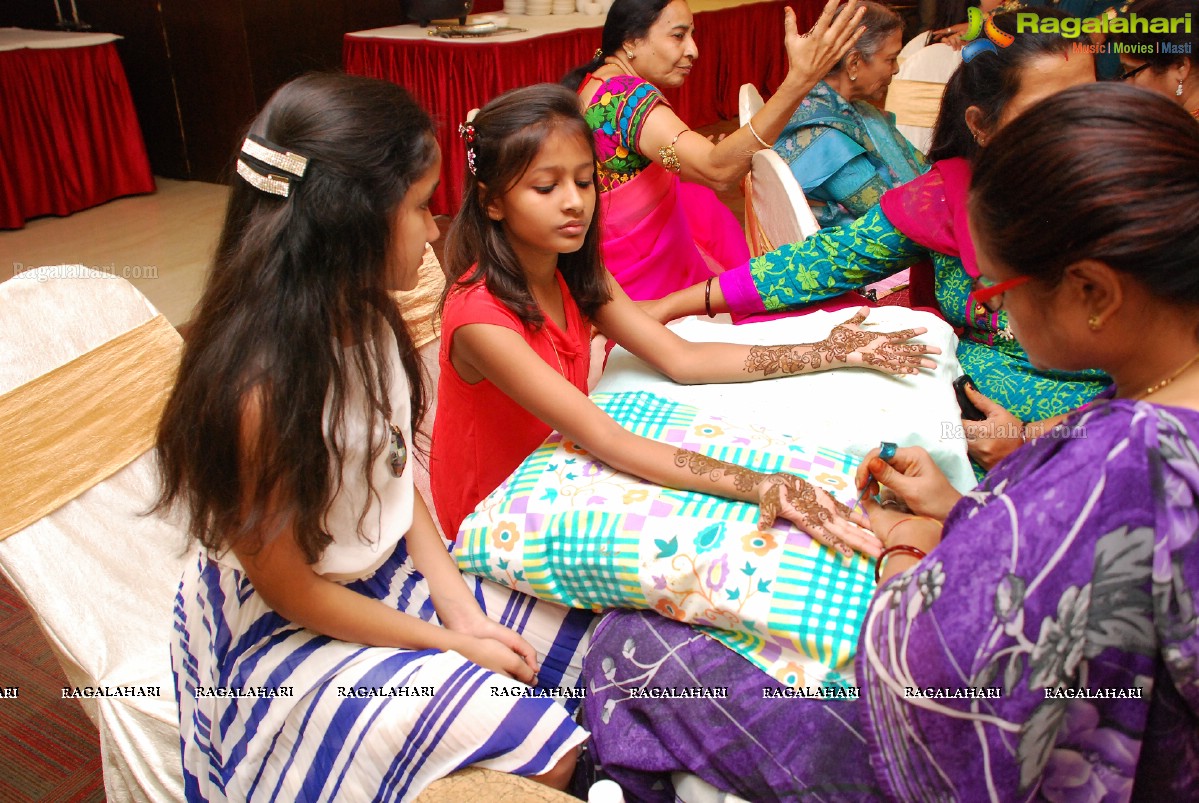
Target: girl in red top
pixel 527 284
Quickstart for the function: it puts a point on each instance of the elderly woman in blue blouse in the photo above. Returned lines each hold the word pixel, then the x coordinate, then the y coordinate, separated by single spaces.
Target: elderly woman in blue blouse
pixel 843 150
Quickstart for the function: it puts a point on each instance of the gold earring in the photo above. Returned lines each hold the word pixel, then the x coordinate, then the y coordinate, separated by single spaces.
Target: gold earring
pixel 1093 322
pixel 629 55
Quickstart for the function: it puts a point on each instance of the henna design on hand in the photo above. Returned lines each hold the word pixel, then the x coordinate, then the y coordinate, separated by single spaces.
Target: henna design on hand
pixel 744 479
pixel 771 360
pixel 805 499
pixel 884 351
pixel 773 490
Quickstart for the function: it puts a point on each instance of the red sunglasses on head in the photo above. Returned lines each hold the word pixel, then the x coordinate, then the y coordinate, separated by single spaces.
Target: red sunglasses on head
pixel 986 292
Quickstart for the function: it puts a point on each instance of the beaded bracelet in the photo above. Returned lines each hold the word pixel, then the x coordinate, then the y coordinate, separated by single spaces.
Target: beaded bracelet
pixel 708 298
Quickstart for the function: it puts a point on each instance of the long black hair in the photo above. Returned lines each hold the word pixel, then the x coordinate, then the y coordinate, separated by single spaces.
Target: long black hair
pixel 627 21
pixel 1115 173
pixel 508 133
pixel 989 81
pixel 292 276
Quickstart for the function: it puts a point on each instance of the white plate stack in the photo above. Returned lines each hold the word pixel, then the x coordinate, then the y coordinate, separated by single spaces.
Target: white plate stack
pixel 563 6
pixel 514 6
pixel 538 8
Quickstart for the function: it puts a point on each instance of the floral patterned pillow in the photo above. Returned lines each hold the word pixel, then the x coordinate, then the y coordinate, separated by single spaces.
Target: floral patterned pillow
pixel 567 528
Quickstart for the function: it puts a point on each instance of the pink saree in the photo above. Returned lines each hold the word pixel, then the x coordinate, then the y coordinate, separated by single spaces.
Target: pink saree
pixel 660 234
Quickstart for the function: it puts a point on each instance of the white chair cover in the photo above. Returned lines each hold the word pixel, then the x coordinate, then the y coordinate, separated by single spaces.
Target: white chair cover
pixel 749 101
pixel 781 210
pixel 99 575
pixel 776 211
pixel 914 46
pixel 934 64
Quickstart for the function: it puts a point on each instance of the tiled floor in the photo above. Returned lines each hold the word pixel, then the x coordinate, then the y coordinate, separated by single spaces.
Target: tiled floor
pixel 161 242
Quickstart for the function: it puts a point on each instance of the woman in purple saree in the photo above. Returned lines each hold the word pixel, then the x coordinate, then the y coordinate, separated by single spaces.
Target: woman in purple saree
pixel 1047 646
pixel 663 227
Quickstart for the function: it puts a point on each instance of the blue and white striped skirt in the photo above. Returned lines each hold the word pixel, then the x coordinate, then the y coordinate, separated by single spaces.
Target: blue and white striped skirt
pixel 271 711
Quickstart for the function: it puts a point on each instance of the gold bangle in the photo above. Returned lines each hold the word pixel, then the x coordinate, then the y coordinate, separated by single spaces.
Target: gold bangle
pixel 901 522
pixel 670 158
pixel 750 124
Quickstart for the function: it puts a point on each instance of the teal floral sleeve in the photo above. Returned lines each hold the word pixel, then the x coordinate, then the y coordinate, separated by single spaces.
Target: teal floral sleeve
pixel 832 261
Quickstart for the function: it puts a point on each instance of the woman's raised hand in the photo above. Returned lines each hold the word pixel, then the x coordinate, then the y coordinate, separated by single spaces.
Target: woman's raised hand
pixel 815 512
pixel 888 352
pixel 914 479
pixel 812 55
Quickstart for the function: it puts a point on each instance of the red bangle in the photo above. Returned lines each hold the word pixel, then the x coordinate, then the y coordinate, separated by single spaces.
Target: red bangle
pixel 894 526
pixel 898 549
pixel 708 298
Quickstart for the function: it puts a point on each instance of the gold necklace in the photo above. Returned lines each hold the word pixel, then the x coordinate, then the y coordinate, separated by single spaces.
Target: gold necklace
pixel 1167 380
pixel 550 338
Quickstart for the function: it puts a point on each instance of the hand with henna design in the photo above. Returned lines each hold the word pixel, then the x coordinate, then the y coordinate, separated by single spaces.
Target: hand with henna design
pixel 808 507
pixel 846 344
pixel 816 513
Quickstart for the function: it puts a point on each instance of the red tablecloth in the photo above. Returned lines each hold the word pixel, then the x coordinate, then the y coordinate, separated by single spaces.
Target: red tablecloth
pixel 736 46
pixel 69 137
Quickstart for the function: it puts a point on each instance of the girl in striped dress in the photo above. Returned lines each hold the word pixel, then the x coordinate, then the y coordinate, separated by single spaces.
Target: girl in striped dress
pixel 325 644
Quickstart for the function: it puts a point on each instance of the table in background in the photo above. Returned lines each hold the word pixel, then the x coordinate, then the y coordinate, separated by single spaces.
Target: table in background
pixel 740 41
pixel 69 136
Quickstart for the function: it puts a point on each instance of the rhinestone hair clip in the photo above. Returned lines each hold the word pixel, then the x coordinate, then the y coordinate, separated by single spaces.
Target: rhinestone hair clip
pixel 468 134
pixel 259 156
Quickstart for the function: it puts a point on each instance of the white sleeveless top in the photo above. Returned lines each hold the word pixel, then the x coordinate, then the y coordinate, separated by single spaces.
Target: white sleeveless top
pixel 389 515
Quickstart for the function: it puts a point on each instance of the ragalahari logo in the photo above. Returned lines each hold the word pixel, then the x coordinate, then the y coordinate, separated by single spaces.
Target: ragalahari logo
pixel 978 25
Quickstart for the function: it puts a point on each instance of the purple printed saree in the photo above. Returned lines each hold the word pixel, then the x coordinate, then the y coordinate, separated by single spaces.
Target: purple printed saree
pixel 1048 649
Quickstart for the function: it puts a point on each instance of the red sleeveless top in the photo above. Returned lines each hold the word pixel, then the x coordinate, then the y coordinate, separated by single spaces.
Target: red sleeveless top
pixel 481 435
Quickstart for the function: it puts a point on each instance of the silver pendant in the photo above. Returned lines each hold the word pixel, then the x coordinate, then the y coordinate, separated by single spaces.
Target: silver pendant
pixel 398 457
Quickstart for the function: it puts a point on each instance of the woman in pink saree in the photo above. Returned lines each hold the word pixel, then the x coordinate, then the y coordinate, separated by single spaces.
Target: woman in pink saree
pixel 663 228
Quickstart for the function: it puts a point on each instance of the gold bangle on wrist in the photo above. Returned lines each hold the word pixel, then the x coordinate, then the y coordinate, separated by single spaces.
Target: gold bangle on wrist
pixel 750 124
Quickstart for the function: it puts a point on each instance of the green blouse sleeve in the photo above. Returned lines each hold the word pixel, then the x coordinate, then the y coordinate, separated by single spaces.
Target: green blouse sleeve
pixel 832 261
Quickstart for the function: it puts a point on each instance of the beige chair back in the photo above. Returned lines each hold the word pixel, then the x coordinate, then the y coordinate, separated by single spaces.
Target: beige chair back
pixel 86 364
pixel 781 212
pixel 915 93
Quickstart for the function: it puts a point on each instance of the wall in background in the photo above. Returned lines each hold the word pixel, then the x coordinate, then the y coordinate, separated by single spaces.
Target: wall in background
pixel 199 71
